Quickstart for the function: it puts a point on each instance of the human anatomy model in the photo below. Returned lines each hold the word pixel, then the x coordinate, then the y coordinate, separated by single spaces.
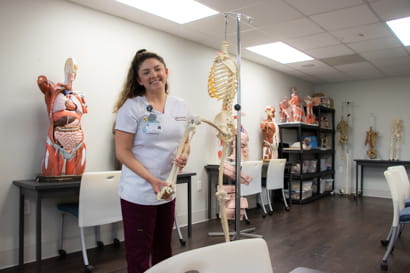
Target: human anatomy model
pixel 296 107
pixel 396 138
pixel 343 129
pixel 65 139
pixel 371 138
pixel 270 134
pixel 222 84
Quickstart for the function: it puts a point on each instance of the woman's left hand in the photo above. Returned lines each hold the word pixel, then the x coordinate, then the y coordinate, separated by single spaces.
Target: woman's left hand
pixel 181 161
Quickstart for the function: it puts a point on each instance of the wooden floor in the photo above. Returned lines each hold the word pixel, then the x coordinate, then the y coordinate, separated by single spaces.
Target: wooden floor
pixel 334 234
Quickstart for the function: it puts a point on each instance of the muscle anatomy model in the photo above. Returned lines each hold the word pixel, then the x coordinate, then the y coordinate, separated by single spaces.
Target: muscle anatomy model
pixel 270 133
pixel 396 139
pixel 371 138
pixel 343 129
pixel 222 84
pixel 65 139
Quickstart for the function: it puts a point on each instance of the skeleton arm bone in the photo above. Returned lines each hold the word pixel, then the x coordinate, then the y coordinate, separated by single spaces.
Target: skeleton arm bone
pixel 167 192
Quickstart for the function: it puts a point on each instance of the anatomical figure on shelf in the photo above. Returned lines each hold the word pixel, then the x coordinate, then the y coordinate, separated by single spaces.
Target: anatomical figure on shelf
pixel 65 144
pixel 296 107
pixel 371 138
pixel 396 139
pixel 270 133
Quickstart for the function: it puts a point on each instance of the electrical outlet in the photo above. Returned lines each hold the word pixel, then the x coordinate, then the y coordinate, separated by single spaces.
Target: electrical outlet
pixel 26 206
pixel 199 185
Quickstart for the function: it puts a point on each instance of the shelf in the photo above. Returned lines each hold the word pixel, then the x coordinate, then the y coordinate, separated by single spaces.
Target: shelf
pixel 313 159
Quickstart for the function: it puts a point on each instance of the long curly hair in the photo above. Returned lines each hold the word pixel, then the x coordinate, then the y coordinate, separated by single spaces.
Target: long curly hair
pixel 131 87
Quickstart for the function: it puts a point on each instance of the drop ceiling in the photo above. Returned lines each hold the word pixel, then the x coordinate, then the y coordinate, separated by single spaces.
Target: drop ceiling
pixel 348 39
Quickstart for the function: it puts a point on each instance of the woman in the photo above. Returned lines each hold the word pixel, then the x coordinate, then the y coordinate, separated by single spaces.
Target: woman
pixel 149 127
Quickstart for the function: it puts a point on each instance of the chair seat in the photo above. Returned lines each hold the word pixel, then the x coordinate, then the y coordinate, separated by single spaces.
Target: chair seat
pixel 405 215
pixel 70 208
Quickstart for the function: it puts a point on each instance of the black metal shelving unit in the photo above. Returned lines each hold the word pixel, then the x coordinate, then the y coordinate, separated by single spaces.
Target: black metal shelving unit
pixel 294 132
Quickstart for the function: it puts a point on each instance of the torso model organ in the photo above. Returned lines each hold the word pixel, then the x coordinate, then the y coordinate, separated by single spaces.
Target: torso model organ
pixel 65 138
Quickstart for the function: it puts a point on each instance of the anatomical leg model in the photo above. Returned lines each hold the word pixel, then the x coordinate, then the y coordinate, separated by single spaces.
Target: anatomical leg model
pixel 65 139
pixel 396 139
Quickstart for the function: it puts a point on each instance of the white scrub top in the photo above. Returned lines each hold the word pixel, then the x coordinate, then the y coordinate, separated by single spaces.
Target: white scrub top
pixel 155 151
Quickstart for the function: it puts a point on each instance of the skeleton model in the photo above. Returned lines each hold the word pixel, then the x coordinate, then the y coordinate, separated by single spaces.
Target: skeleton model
pixel 396 138
pixel 371 137
pixel 65 139
pixel 343 129
pixel 222 84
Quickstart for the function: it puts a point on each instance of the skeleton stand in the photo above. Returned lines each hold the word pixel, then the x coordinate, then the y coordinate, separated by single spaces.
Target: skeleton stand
pixel 237 234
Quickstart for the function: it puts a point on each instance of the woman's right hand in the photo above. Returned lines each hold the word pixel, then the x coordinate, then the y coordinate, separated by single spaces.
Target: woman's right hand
pixel 157 184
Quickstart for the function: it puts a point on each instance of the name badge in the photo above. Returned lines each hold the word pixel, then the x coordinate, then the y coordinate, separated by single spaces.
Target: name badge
pixel 152 127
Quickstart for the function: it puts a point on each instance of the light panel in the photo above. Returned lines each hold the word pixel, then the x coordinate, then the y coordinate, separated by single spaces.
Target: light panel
pixel 280 52
pixel 401 28
pixel 179 11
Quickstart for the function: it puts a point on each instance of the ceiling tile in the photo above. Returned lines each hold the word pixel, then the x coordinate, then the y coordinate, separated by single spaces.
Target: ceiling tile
pixel 292 29
pixel 330 51
pixel 385 53
pixel 361 33
pixel 344 18
pixel 395 70
pixel 362 70
pixel 320 6
pixel 313 41
pixel 375 44
pixel 270 12
pixel 391 9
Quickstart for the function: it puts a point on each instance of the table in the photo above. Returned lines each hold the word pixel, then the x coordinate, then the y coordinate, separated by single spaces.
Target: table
pixel 43 190
pixel 361 163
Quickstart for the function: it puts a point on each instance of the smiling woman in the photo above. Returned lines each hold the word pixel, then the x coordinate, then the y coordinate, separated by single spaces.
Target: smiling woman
pixel 149 127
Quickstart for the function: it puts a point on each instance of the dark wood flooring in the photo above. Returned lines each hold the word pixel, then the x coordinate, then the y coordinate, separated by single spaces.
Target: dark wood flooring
pixel 334 234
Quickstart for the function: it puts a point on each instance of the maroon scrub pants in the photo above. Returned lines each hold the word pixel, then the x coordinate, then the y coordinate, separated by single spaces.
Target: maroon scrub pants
pixel 147 233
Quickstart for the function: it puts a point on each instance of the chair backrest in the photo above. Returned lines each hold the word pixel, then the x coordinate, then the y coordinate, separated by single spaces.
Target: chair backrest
pixel 404 179
pixel 99 202
pixel 254 170
pixel 392 176
pixel 275 174
pixel 246 255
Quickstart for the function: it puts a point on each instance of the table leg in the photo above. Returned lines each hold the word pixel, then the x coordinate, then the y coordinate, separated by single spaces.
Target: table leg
pixel 21 228
pixel 209 194
pixel 361 181
pixel 357 180
pixel 189 209
pixel 38 234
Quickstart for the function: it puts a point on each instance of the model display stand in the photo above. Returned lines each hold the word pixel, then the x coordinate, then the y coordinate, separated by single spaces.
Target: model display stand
pixel 312 165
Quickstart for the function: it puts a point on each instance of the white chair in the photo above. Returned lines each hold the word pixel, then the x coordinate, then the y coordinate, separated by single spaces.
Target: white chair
pixel 99 204
pixel 401 214
pixel 405 180
pixel 254 170
pixel 275 175
pixel 241 256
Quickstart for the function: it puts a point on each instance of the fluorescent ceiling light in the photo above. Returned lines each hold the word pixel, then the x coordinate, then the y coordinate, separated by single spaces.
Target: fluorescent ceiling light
pixel 401 28
pixel 179 11
pixel 280 52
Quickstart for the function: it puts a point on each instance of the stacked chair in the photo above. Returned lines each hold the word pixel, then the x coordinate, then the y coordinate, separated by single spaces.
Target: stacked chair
pixel 399 187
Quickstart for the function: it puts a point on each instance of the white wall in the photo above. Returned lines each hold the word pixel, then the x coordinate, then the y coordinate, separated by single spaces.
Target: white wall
pixel 386 100
pixel 37 37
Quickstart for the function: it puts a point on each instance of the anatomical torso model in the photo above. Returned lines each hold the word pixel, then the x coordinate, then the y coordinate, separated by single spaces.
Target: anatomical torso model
pixel 65 147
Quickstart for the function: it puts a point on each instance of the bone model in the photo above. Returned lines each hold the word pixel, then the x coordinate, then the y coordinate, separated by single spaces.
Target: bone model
pixel 222 84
